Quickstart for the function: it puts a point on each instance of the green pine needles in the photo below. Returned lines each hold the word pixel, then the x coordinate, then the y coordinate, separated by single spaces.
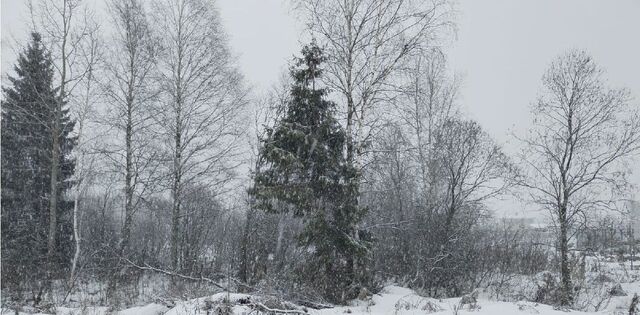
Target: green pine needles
pixel 28 112
pixel 303 169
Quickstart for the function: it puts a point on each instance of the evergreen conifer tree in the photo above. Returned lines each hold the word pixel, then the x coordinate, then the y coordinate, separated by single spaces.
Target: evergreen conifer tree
pixel 303 169
pixel 27 118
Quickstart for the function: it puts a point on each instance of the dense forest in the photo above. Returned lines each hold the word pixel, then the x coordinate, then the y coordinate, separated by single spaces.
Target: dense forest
pixel 138 165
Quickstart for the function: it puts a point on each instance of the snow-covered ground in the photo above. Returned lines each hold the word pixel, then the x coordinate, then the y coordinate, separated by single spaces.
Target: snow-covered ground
pixel 391 300
pixel 398 300
pixel 601 275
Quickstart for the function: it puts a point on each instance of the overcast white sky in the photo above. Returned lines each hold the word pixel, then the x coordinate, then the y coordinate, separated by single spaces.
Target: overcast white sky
pixel 502 48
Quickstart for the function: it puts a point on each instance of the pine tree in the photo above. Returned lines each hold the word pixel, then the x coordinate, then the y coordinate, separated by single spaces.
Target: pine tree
pixel 27 118
pixel 303 169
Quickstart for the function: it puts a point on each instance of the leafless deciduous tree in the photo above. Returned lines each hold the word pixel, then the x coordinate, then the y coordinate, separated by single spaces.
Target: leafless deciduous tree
pixel 426 101
pixel 203 103
pixel 434 234
pixel 432 173
pixel 367 41
pixel 130 90
pixel 85 157
pixel 472 168
pixel 67 26
pixel 583 133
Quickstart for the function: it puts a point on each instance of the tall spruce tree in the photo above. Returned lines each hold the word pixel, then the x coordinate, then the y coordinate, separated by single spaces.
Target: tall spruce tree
pixel 27 124
pixel 303 169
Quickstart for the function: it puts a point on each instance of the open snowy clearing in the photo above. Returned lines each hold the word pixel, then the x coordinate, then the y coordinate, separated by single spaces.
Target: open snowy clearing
pixel 391 300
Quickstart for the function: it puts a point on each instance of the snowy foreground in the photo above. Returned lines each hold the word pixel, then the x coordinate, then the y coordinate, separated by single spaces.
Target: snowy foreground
pixel 607 288
pixel 391 300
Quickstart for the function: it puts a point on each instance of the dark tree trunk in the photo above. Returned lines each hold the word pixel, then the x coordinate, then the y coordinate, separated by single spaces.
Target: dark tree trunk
pixel 176 190
pixel 566 294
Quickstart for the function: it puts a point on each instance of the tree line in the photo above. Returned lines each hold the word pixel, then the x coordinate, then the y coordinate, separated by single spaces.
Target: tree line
pixel 124 153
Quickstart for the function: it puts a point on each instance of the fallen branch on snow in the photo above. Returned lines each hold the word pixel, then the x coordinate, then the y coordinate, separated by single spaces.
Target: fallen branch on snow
pixel 175 274
pixel 313 305
pixel 264 308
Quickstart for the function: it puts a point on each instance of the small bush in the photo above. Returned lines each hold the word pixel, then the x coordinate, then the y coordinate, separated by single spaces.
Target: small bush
pixel 548 291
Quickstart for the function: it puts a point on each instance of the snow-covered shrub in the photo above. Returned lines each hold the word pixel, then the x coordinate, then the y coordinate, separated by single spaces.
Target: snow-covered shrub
pixel 617 290
pixel 222 308
pixel 527 307
pixel 416 302
pixel 548 291
pixel 602 278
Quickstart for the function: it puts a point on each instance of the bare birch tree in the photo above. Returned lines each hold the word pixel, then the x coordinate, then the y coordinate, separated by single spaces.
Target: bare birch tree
pixel 130 89
pixel 66 26
pixel 203 103
pixel 427 100
pixel 574 155
pixel 366 42
pixel 84 113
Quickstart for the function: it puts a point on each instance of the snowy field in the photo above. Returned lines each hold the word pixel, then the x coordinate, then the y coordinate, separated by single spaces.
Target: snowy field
pixel 392 300
pixel 514 296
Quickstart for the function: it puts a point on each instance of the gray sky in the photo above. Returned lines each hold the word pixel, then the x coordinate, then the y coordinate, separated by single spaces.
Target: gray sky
pixel 502 48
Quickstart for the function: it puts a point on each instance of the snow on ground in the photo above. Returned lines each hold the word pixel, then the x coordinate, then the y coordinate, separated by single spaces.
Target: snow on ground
pixel 601 276
pixel 391 300
pixel 403 301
